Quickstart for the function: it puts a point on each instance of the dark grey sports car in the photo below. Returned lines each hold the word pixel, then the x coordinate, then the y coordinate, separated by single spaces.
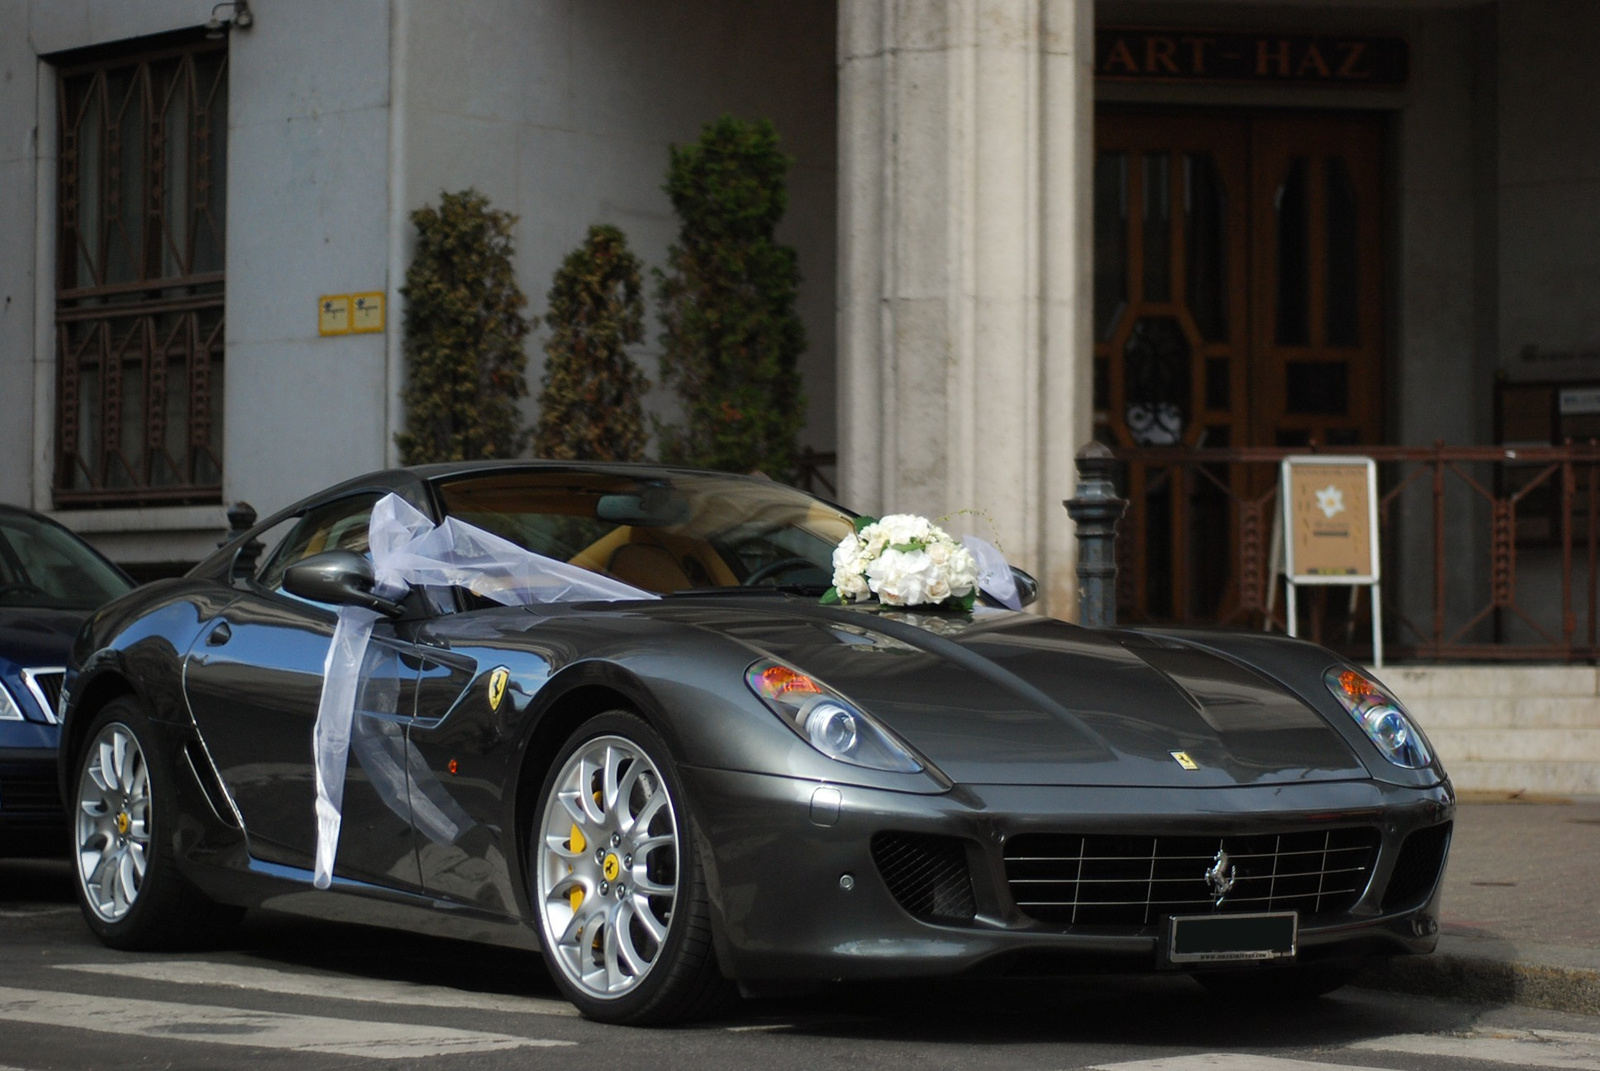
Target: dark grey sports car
pixel 721 783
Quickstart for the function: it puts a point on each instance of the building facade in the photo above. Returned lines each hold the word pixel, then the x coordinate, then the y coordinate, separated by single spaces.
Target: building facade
pixel 1022 224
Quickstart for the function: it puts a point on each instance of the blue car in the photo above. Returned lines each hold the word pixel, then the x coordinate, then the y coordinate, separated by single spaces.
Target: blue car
pixel 50 581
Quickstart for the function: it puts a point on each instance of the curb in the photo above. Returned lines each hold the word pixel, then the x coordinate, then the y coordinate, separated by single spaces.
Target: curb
pixel 1490 979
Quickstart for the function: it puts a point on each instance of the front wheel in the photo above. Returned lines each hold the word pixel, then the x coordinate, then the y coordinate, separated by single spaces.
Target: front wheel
pixel 624 918
pixel 124 810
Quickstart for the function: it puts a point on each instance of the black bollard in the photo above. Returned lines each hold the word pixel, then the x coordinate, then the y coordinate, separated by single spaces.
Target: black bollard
pixel 241 518
pixel 1095 510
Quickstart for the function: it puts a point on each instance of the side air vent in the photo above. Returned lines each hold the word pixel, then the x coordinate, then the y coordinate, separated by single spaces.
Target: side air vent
pixel 1417 870
pixel 205 775
pixel 927 874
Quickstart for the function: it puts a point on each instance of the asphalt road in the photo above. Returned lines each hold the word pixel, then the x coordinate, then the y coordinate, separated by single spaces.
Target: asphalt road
pixel 291 993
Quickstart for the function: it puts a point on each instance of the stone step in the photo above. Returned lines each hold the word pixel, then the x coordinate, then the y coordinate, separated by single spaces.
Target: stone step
pixel 1477 681
pixel 1504 712
pixel 1515 745
pixel 1552 778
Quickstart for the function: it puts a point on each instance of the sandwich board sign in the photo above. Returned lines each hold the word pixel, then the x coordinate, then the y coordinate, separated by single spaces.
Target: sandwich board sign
pixel 1330 524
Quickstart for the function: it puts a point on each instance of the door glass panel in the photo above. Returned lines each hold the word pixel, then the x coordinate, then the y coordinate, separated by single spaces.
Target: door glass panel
pixel 1343 317
pixel 1291 209
pixel 1205 208
pixel 1110 241
pixel 1219 385
pixel 1156 372
pixel 1157 227
pixel 1319 387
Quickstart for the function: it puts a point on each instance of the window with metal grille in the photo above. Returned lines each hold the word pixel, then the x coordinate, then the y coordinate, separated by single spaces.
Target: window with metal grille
pixel 139 289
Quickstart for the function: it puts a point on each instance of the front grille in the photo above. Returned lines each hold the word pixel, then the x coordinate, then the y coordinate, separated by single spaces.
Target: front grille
pixel 45 684
pixel 927 874
pixel 1417 870
pixel 1116 880
pixel 28 788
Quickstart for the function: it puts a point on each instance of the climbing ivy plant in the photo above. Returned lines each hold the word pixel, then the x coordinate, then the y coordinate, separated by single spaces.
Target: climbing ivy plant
pixel 464 329
pixel 589 402
pixel 731 337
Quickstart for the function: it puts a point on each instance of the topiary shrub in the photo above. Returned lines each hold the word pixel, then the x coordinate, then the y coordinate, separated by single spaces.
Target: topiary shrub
pixel 465 366
pixel 731 338
pixel 590 399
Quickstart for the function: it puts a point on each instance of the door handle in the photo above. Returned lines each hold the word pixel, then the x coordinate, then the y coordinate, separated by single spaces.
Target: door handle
pixel 219 635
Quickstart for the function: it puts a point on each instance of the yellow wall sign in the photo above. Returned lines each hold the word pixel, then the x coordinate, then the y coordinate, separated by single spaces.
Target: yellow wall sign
pixel 1330 520
pixel 366 312
pixel 333 314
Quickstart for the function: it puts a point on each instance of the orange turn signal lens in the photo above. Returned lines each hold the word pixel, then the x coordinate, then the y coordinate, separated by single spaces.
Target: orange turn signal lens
pixel 778 682
pixel 1355 685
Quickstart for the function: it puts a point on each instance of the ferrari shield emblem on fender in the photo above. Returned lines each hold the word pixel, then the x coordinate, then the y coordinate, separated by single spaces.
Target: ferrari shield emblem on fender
pixel 1182 759
pixel 497 686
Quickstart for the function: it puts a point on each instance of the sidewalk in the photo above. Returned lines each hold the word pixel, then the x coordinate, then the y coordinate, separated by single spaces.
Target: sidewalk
pixel 1521 909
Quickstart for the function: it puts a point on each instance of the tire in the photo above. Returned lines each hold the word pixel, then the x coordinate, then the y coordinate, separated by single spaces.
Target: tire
pixel 122 824
pixel 1278 985
pixel 617 883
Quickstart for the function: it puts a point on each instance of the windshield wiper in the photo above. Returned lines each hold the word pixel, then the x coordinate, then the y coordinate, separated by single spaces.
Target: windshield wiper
pixel 758 589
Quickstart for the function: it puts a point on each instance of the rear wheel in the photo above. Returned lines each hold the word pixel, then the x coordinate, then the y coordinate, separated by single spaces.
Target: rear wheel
pixel 624 919
pixel 123 814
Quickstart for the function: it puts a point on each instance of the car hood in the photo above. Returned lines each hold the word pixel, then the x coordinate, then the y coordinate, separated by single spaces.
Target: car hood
pixel 1007 698
pixel 30 636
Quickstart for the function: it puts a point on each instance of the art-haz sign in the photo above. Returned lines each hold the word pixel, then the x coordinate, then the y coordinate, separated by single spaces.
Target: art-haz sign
pixel 1136 54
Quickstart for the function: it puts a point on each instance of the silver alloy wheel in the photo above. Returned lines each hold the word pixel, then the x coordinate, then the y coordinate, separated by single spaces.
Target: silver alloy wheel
pixel 607 867
pixel 113 822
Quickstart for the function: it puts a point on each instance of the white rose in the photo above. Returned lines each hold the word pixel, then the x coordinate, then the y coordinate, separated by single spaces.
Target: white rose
pixel 852 586
pixel 939 553
pixel 898 577
pixel 938 589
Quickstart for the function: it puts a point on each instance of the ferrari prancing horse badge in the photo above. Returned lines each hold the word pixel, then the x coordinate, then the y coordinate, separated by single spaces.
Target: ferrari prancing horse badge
pixel 497 686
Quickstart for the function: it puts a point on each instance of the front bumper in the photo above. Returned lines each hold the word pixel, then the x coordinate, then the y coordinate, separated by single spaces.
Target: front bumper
pixel 32 821
pixel 797 894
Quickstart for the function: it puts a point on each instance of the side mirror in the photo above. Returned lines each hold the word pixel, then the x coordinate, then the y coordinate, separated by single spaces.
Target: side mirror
pixel 1027 586
pixel 338 577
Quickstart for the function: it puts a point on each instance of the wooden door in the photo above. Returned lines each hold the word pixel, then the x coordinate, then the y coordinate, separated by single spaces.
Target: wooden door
pixel 1238 302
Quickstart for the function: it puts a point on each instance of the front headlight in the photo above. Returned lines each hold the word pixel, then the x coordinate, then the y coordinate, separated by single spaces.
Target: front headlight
pixel 1381 716
pixel 826 720
pixel 9 711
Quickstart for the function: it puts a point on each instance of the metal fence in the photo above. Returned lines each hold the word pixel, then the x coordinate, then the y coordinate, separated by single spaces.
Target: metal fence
pixel 1488 552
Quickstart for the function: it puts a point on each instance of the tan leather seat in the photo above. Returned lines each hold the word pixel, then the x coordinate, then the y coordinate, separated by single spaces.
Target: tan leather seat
pixel 647 566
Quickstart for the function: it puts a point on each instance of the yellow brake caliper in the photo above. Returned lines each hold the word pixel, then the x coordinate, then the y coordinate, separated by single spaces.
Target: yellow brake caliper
pixel 578 844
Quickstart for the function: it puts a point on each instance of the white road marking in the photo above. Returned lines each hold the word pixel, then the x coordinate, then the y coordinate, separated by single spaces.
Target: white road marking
pixel 1522 1048
pixel 255 1029
pixel 1227 1061
pixel 33 913
pixel 342 986
pixel 1560 1049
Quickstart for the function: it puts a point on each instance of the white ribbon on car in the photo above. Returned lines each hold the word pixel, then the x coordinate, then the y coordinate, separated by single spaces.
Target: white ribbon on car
pixel 994 574
pixel 409 549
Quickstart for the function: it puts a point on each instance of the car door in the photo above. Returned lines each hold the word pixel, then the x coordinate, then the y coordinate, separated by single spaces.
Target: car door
pixel 254 681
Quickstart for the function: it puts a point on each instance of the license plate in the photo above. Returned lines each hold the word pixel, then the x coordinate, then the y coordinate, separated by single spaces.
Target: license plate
pixel 1220 938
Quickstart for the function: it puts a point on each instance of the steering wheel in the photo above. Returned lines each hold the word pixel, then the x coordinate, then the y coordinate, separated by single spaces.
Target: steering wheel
pixel 782 565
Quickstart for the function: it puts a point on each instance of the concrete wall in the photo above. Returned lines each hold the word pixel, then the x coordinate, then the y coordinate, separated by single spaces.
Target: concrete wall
pixel 561 110
pixel 1549 188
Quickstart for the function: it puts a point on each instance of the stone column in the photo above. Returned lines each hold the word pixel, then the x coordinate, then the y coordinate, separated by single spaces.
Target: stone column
pixel 965 157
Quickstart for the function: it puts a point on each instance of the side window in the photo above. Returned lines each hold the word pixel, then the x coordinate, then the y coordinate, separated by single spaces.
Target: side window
pixel 340 525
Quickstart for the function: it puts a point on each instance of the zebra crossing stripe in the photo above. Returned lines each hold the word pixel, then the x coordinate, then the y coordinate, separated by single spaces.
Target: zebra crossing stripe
pixel 1563 1050
pixel 1526 1048
pixel 342 986
pixel 252 1029
pixel 1226 1061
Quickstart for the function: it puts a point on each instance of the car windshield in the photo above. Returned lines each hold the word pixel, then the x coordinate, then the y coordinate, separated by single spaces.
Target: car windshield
pixel 44 566
pixel 664 532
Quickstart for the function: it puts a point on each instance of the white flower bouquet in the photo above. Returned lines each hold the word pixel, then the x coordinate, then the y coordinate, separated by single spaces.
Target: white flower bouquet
pixel 904 560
